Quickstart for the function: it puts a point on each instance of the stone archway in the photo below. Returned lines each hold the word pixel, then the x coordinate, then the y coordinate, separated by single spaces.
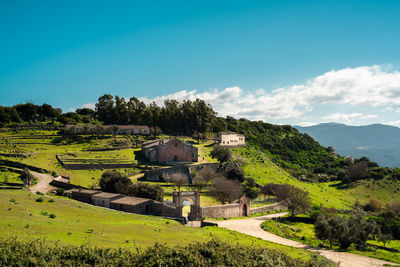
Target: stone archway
pixel 194 196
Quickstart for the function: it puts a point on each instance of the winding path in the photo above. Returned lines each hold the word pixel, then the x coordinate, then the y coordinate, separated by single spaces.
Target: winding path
pixel 252 227
pixel 43 183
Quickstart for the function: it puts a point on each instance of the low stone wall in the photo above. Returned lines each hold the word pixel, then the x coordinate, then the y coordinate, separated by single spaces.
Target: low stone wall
pixel 272 207
pixel 94 166
pixel 220 211
pixel 20 165
pixel 157 175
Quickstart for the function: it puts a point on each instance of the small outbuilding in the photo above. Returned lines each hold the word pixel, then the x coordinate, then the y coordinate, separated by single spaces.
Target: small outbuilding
pixel 104 199
pixel 83 195
pixel 132 204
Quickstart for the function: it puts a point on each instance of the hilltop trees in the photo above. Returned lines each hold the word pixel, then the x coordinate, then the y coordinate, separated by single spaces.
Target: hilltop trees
pixel 186 117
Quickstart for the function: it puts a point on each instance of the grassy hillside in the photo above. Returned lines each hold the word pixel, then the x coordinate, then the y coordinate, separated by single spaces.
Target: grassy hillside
pixel 43 146
pixel 76 223
pixel 260 167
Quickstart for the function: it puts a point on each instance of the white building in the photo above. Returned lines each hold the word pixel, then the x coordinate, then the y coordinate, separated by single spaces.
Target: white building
pixel 230 139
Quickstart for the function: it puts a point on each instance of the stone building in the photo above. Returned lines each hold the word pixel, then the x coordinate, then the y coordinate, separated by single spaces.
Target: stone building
pixel 170 152
pixel 104 199
pixel 132 204
pixel 83 195
pixel 230 139
pixel 108 129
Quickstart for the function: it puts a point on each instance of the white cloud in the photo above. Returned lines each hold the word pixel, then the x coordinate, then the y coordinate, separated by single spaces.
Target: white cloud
pixel 89 105
pixel 361 86
pixel 306 124
pixel 393 123
pixel 348 118
pixel 365 86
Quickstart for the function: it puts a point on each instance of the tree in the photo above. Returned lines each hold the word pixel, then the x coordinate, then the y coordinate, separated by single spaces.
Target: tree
pixel 268 189
pixel 222 154
pixel 203 177
pixel 326 227
pixel 358 171
pixel 145 190
pixel 345 231
pixel 179 179
pixel 27 176
pixel 232 171
pixel 297 200
pixel 114 182
pixel 225 190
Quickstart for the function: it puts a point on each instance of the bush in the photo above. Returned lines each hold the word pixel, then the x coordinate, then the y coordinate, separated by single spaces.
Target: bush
pixel 14 252
pixel 40 199
pixel 60 192
pixel 114 182
pixel 145 190
pixel 52 216
pixel 222 154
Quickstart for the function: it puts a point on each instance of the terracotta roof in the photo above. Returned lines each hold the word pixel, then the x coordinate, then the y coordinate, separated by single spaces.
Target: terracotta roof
pixel 107 195
pixel 131 200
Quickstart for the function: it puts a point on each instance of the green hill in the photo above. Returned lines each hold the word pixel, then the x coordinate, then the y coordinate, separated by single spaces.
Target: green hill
pixel 76 223
pixel 332 194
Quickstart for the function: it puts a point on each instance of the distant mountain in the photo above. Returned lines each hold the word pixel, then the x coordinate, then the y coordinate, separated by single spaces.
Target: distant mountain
pixel 381 143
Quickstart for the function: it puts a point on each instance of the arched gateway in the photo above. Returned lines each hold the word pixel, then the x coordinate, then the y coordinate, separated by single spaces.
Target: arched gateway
pixel 194 196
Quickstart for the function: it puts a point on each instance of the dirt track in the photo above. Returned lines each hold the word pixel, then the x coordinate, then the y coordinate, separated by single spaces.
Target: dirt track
pixel 43 183
pixel 252 227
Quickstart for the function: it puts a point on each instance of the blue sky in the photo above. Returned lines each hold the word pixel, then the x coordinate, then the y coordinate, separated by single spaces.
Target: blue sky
pixel 295 62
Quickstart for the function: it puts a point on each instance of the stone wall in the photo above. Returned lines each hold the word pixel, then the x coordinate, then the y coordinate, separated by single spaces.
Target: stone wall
pixel 272 207
pixel 93 166
pixel 220 211
pixel 158 174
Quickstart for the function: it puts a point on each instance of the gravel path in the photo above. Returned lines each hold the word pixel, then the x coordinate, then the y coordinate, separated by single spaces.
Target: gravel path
pixel 252 227
pixel 43 183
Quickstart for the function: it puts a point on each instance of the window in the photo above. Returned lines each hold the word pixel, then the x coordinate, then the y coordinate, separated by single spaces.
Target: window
pixel 176 145
pixel 175 158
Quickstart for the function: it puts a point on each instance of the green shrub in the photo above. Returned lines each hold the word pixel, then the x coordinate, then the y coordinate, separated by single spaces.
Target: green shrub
pixel 60 192
pixel 212 253
pixel 52 216
pixel 40 199
pixel 51 200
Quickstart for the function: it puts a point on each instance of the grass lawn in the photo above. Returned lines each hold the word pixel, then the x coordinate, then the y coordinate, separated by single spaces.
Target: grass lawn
pixel 9 177
pixel 304 232
pixel 76 223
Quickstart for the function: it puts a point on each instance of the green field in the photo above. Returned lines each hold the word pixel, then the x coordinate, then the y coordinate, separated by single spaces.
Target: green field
pixel 76 223
pixel 43 146
pixel 9 177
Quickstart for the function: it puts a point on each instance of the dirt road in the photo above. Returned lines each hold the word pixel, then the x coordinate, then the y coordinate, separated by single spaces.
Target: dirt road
pixel 252 227
pixel 43 183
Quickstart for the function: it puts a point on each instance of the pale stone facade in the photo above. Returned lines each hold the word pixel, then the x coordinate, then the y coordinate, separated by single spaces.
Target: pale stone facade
pixel 230 139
